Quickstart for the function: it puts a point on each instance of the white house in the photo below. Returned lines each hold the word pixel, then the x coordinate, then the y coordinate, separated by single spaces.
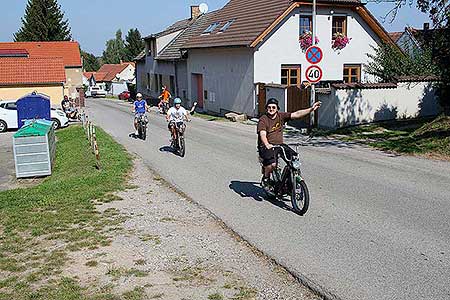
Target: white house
pixel 246 43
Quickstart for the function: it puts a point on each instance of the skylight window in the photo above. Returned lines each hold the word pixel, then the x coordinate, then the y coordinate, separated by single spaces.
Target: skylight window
pixel 227 25
pixel 211 27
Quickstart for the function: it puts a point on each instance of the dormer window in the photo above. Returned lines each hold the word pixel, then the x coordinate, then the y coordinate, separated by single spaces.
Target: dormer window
pixel 211 28
pixel 226 26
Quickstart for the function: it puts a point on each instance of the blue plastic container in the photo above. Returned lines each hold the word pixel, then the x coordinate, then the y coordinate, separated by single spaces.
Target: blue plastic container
pixel 33 106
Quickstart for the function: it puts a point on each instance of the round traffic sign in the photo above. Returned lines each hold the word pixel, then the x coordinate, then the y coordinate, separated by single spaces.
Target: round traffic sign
pixel 314 74
pixel 314 55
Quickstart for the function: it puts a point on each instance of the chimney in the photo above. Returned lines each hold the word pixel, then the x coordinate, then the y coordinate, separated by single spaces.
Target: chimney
pixel 195 11
pixel 426 26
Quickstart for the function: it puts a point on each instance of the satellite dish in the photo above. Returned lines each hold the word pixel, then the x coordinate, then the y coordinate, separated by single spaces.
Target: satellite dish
pixel 204 8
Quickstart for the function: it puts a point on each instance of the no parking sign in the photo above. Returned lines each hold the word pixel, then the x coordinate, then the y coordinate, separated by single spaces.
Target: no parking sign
pixel 314 55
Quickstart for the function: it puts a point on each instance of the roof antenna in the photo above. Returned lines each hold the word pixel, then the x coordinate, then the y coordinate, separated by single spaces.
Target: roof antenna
pixel 203 8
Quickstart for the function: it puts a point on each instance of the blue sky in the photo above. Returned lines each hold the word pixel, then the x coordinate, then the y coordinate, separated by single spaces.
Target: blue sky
pixel 95 21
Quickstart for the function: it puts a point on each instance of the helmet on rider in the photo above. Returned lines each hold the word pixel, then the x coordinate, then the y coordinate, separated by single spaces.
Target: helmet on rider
pixel 272 101
pixel 139 95
pixel 177 101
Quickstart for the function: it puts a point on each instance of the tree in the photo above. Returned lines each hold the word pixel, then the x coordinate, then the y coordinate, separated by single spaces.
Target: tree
pixel 439 43
pixel 115 50
pixel 133 45
pixel 389 62
pixel 43 21
pixel 90 62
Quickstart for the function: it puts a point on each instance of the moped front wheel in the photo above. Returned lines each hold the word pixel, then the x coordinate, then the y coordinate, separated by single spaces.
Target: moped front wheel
pixel 299 195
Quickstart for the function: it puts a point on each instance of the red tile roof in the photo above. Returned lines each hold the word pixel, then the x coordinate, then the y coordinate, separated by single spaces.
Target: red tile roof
pixel 395 35
pixel 69 51
pixel 112 70
pixel 15 70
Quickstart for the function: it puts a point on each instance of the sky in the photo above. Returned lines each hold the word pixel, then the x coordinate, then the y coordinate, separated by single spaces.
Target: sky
pixel 93 22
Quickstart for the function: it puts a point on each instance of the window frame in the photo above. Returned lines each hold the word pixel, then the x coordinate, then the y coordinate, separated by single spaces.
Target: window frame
pixel 211 28
pixel 226 26
pixel 289 78
pixel 309 17
pixel 344 25
pixel 350 67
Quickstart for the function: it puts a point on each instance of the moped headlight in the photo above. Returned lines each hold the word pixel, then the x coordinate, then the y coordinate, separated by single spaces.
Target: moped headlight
pixel 296 164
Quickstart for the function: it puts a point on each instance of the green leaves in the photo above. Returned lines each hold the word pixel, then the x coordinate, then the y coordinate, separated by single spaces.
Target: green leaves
pixel 43 21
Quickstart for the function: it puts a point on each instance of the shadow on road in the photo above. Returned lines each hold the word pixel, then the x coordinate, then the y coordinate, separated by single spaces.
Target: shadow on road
pixel 247 189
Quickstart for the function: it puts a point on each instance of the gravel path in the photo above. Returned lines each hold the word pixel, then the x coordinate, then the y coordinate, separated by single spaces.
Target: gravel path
pixel 171 248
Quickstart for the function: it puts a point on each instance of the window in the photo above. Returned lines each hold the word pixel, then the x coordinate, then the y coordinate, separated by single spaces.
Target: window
pixel 290 75
pixel 11 106
pixel 155 83
pixel 352 73
pixel 205 96
pixel 339 25
pixel 211 27
pixel 148 81
pixel 305 24
pixel 226 26
pixel 149 49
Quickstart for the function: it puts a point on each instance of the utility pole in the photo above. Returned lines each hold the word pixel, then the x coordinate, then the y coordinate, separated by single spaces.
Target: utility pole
pixel 313 86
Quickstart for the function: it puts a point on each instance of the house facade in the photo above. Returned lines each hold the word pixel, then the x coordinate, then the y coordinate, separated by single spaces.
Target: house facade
pixel 113 78
pixel 20 76
pixel 68 51
pixel 228 57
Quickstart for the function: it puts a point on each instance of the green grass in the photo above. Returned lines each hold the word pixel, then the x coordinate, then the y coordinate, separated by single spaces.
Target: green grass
pixel 215 296
pixel 60 210
pixel 208 117
pixel 425 136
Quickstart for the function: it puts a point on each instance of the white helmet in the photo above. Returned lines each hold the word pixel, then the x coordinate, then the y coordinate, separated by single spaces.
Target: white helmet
pixel 138 95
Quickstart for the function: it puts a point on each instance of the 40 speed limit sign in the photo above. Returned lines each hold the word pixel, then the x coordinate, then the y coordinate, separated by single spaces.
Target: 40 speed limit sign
pixel 314 74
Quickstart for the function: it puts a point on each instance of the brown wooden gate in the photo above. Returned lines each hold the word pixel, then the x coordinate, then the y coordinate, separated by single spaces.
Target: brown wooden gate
pixel 298 99
pixel 261 99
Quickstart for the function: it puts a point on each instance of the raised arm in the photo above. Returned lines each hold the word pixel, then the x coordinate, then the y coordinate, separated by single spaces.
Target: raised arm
pixel 305 112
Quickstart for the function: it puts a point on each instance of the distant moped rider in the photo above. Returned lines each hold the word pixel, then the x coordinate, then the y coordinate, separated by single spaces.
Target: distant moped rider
pixel 176 117
pixel 270 133
pixel 140 107
pixel 164 97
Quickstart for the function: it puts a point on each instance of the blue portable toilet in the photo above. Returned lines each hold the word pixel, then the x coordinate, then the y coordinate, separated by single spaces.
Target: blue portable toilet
pixel 33 106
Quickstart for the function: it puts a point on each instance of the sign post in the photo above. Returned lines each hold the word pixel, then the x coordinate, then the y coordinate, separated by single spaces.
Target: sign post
pixel 313 87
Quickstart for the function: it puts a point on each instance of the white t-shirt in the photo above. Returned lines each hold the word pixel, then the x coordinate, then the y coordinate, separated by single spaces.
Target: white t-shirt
pixel 177 115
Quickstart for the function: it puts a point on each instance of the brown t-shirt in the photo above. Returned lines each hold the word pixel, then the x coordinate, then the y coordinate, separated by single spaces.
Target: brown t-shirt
pixel 273 127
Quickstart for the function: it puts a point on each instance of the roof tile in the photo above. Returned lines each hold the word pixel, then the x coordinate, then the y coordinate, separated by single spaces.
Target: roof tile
pixel 69 51
pixel 31 70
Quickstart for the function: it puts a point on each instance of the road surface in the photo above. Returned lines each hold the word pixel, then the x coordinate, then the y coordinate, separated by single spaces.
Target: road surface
pixel 378 226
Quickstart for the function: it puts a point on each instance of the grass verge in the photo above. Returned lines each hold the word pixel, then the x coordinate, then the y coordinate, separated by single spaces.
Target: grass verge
pixel 423 137
pixel 40 225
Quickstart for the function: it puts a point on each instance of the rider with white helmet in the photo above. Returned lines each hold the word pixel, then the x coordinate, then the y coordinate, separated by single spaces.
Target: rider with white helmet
pixel 140 107
pixel 176 116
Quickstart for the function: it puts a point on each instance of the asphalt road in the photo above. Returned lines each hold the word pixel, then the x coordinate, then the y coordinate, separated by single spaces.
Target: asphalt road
pixel 377 227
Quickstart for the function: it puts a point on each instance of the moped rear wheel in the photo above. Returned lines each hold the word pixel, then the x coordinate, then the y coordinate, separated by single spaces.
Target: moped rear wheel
pixel 144 131
pixel 299 195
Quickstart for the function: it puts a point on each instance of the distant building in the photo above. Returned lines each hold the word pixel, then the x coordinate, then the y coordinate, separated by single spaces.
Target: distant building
pixel 21 75
pixel 68 51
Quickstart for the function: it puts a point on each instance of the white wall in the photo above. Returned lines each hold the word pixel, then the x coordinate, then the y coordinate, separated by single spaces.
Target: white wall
pixel 163 41
pixel 227 76
pixel 356 106
pixel 128 74
pixel 283 47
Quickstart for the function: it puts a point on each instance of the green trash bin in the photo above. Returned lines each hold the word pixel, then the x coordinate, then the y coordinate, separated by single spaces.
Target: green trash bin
pixel 34 149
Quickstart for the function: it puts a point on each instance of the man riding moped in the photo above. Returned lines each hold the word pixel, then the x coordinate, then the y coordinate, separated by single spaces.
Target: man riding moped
pixel 270 133
pixel 176 117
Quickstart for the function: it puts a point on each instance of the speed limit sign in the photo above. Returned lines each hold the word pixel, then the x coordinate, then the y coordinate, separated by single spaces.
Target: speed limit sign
pixel 314 74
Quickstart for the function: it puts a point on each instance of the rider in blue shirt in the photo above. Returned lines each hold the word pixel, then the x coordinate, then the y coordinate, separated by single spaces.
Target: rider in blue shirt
pixel 140 108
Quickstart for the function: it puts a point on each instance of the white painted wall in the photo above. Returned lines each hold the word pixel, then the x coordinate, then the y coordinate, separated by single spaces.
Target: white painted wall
pixel 163 41
pixel 283 47
pixel 128 74
pixel 357 106
pixel 227 76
